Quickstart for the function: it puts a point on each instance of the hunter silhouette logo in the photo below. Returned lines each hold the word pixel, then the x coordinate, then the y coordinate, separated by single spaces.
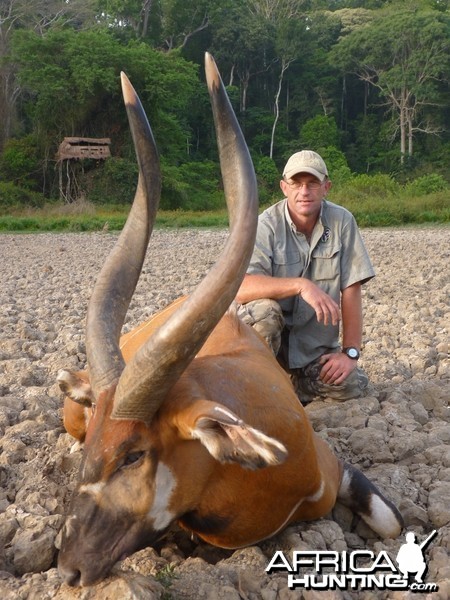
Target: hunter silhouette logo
pixel 357 569
pixel 410 557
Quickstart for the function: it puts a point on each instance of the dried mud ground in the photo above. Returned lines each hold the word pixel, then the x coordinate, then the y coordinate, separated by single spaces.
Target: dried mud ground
pixel 399 435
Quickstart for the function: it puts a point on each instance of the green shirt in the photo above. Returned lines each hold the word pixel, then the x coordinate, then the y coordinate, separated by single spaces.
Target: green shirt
pixel 335 258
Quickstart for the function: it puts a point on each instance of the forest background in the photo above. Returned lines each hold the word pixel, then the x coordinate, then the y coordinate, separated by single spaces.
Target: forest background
pixel 364 83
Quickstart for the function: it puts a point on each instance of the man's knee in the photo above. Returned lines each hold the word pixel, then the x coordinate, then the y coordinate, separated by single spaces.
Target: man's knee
pixel 353 387
pixel 307 382
pixel 266 317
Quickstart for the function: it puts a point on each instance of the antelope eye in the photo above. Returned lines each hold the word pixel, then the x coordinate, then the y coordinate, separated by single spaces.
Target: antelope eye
pixel 133 458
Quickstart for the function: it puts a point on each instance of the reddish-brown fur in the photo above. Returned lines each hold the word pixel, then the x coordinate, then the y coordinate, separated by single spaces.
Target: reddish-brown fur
pixel 236 369
pixel 200 425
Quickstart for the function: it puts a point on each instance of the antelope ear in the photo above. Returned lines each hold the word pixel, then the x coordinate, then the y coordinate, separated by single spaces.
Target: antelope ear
pixel 76 386
pixel 229 439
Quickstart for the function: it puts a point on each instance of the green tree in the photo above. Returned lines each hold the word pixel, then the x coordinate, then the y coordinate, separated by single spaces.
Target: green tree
pixel 320 131
pixel 19 162
pixel 405 56
pixel 300 73
pixel 242 45
pixel 32 15
pixel 365 150
pixel 166 24
pixel 288 40
pixel 71 80
pixel 126 15
pixel 336 162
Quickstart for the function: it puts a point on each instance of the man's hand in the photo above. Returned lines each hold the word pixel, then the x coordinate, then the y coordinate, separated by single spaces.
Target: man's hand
pixel 336 368
pixel 326 309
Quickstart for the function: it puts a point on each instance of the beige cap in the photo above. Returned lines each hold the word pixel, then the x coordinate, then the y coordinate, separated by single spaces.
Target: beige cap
pixel 306 161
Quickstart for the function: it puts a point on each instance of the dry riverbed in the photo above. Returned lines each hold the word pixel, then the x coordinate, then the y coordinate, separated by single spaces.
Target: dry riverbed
pixel 399 435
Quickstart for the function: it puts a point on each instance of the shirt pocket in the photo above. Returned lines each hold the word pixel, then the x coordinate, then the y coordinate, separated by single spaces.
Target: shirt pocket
pixel 325 263
pixel 286 263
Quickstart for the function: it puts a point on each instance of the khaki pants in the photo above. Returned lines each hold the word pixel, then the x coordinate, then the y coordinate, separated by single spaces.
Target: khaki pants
pixel 266 317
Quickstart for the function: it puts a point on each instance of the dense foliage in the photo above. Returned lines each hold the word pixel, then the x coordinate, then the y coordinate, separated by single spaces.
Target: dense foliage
pixel 364 83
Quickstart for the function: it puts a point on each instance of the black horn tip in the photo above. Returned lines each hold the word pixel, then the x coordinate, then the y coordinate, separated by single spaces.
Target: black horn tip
pixel 212 72
pixel 128 91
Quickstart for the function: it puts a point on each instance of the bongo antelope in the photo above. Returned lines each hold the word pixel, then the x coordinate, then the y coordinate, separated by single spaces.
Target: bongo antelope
pixel 194 422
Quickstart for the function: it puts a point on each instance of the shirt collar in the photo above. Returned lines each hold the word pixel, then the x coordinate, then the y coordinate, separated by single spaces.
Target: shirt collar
pixel 323 212
pixel 288 217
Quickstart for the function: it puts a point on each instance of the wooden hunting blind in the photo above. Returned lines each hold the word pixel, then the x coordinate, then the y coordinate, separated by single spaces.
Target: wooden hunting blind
pixel 73 150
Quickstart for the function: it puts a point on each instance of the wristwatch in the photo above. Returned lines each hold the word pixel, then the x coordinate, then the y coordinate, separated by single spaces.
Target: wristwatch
pixel 351 352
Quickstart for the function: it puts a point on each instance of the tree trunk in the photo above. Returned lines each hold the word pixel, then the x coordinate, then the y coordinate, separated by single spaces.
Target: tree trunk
pixel 284 66
pixel 9 92
pixel 402 132
pixel 410 135
pixel 244 81
pixel 277 116
pixel 146 8
pixel 366 97
pixel 231 80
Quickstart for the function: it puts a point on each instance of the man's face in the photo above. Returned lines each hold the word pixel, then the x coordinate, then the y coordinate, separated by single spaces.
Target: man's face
pixel 304 193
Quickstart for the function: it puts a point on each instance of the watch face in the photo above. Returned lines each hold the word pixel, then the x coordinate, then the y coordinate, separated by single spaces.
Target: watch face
pixel 352 352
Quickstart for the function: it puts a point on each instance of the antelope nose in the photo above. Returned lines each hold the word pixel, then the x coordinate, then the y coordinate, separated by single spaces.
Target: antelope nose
pixel 70 576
